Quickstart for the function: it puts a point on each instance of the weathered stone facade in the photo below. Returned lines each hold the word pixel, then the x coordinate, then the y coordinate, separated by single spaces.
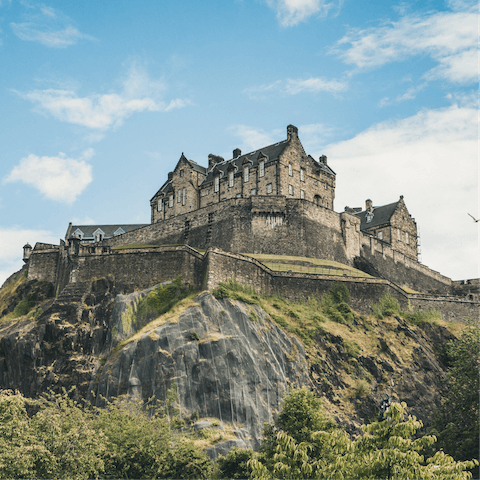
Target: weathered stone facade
pixel 282 169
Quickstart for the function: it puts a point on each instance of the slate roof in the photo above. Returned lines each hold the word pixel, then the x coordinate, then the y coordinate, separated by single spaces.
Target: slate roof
pixel 381 216
pixel 270 153
pixel 108 230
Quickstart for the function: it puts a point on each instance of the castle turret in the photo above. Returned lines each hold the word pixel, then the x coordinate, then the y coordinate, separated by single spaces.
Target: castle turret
pixel 27 251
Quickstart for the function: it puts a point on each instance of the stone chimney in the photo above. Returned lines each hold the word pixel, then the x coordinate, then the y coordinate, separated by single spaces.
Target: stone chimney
pixel 323 159
pixel 27 250
pixel 236 153
pixel 170 175
pixel 292 132
pixel 213 160
pixel 368 205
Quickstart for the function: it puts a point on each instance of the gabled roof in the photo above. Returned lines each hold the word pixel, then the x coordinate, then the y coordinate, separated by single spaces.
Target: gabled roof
pixel 381 216
pixel 323 166
pixel 270 153
pixel 88 231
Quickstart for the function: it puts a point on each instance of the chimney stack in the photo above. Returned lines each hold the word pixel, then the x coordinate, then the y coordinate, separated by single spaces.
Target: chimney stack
pixel 236 153
pixel 292 132
pixel 323 159
pixel 213 160
pixel 368 205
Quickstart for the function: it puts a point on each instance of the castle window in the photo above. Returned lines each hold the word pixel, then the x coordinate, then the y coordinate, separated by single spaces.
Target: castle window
pixel 262 168
pixel 290 189
pixel 302 175
pixel 170 200
pixel 253 192
pixel 217 183
pixel 290 169
pixel 181 173
pixel 159 205
pixel 407 238
pixel 380 235
pixel 179 196
pixel 231 178
pixel 245 174
pixel 269 188
pixel 184 196
pixel 302 194
pixel 399 235
pixel 326 203
pixel 325 185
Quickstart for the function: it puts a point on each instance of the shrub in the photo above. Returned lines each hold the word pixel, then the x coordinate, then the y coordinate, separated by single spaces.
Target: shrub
pixel 339 293
pixel 386 307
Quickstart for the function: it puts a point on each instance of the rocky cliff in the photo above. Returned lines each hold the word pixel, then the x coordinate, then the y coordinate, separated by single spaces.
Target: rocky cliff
pixel 223 358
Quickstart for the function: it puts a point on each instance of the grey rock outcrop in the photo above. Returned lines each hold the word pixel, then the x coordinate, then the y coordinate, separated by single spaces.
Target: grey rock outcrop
pixel 225 359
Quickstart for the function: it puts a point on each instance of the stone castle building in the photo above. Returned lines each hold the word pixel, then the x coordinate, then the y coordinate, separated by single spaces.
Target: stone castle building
pixel 276 200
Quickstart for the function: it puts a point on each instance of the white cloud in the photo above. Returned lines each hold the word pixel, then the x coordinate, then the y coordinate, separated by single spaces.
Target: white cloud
pixel 101 112
pixel 252 138
pixel 292 12
pixel 59 178
pixel 410 94
pixel 12 241
pixel 296 86
pixel 449 38
pixel 432 159
pixel 49 27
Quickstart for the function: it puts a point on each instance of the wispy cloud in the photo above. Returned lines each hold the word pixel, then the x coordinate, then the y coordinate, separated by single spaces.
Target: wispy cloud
pixel 410 94
pixel 59 178
pixel 48 26
pixel 450 38
pixel 103 111
pixel 252 138
pixel 293 12
pixel 297 86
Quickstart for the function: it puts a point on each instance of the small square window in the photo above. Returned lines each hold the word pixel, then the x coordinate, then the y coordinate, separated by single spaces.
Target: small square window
pixel 290 189
pixel 302 175
pixel 302 194
pixel 262 168
pixel 253 192
pixel 269 188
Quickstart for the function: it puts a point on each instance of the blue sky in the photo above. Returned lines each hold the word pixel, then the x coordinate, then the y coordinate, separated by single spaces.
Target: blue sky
pixel 99 100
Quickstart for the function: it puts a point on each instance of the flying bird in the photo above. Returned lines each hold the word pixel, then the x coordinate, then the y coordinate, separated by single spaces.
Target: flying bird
pixel 474 218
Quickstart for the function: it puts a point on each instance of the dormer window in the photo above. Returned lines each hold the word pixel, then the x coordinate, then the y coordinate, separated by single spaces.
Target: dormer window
pixel 290 169
pixel 246 172
pixel 369 216
pixel 262 168
pixel 118 231
pixel 159 205
pixel 98 235
pixel 231 178
pixel 78 233
pixel 217 183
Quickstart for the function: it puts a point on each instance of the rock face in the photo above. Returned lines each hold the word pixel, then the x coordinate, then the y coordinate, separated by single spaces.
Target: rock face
pixel 219 358
pixel 224 359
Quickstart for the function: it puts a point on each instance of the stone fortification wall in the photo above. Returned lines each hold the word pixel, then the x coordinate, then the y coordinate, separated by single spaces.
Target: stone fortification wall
pixel 380 259
pixel 43 263
pixel 260 224
pixel 141 268
pixel 453 309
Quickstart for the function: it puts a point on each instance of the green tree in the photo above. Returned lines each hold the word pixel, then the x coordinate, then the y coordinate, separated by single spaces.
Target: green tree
pixel 22 454
pixel 388 450
pixel 235 464
pixel 456 422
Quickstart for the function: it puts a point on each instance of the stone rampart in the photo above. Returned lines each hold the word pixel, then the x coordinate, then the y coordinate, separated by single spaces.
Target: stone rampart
pixel 143 267
pixel 382 260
